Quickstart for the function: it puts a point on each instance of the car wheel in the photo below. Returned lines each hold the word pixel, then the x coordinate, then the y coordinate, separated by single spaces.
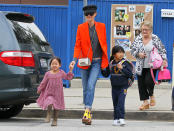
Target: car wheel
pixel 10 111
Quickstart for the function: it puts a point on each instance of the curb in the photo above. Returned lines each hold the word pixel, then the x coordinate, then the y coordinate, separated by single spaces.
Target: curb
pixel 107 115
pixel 105 83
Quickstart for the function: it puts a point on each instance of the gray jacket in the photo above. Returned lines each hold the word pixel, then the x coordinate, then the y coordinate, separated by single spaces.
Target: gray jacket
pixel 138 47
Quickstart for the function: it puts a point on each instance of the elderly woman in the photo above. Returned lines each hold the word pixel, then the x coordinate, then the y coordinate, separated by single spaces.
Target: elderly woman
pixel 140 49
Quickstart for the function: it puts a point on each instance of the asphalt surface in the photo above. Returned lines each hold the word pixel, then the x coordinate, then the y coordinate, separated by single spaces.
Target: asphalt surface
pixel 38 124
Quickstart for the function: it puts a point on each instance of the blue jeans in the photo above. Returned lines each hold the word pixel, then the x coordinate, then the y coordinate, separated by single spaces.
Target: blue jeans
pixel 89 79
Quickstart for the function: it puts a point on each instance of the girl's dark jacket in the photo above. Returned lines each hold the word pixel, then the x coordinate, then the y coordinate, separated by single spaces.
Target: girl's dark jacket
pixel 118 77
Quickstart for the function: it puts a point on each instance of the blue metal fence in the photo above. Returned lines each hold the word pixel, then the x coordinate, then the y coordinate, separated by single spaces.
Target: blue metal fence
pixel 52 20
pixel 59 24
pixel 163 27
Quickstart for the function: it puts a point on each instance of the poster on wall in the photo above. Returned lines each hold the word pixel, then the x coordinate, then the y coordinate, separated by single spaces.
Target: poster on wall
pixel 125 24
pixel 125 43
pixel 138 18
pixel 121 31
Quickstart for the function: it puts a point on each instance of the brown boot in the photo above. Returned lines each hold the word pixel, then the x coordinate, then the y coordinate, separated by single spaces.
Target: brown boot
pixel 55 115
pixel 48 117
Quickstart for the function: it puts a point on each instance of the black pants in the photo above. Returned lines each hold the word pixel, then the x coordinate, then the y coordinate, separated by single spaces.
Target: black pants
pixel 118 98
pixel 146 84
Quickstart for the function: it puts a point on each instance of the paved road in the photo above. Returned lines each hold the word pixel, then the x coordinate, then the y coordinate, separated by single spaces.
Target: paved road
pixel 33 124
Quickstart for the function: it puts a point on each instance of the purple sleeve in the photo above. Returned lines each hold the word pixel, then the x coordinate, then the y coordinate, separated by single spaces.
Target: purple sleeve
pixel 43 83
pixel 67 76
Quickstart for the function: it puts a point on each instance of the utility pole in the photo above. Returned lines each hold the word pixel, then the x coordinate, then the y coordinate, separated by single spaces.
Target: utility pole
pixel 85 2
pixel 173 68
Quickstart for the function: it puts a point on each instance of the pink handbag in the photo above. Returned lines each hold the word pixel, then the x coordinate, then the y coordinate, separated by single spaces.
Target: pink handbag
pixel 156 63
pixel 164 75
pixel 155 59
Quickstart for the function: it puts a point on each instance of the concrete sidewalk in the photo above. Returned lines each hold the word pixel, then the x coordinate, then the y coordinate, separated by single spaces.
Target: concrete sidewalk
pixel 102 105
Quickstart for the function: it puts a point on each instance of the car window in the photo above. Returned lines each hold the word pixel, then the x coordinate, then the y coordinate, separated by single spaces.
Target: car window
pixel 6 37
pixel 29 33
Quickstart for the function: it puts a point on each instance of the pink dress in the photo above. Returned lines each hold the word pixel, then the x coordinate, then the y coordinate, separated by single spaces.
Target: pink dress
pixel 51 89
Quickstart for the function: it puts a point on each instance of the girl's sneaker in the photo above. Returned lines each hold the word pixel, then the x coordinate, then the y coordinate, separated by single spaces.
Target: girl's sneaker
pixel 122 122
pixel 116 123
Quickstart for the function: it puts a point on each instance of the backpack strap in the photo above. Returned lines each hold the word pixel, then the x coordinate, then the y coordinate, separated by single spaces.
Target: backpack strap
pixel 130 63
pixel 122 61
pixel 110 64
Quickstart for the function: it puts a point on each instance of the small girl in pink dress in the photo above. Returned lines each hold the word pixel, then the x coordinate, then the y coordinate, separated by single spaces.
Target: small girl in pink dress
pixel 51 90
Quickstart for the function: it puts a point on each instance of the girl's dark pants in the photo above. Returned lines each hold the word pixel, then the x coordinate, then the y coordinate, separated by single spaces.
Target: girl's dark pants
pixel 118 98
pixel 146 84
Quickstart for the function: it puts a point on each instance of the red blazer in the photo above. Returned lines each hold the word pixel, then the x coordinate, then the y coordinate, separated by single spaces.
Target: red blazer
pixel 83 43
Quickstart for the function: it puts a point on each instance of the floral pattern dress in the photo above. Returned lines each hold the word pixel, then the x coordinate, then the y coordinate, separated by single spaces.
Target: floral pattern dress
pixel 51 89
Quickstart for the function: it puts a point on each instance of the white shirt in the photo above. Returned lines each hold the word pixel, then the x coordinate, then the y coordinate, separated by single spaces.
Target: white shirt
pixel 148 48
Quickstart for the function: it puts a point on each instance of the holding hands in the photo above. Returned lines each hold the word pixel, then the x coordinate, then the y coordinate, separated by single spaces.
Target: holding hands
pixel 71 66
pixel 38 92
pixel 73 63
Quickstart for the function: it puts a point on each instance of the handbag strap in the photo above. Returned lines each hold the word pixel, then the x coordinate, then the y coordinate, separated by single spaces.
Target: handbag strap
pixel 91 42
pixel 151 71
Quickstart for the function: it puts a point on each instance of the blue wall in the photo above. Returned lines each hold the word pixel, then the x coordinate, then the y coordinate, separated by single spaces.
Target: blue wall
pixel 52 21
pixel 163 27
pixel 59 24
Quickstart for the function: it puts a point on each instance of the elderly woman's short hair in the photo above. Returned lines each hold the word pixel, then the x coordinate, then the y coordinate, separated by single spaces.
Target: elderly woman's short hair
pixel 148 24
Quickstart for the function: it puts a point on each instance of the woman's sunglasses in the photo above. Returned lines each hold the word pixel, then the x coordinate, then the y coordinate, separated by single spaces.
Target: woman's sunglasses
pixel 89 13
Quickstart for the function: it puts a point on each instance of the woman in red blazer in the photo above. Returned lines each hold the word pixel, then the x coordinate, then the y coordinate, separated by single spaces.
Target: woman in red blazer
pixel 91 43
